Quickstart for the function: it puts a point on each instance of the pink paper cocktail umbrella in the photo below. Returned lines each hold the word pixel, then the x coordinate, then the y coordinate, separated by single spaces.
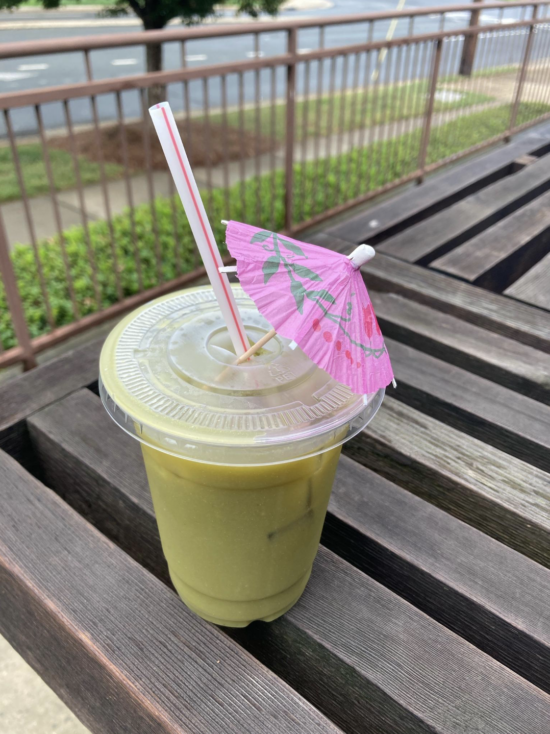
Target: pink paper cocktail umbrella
pixel 317 298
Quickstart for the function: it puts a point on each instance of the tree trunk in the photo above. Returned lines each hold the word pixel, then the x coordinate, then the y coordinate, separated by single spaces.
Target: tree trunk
pixel 469 46
pixel 157 92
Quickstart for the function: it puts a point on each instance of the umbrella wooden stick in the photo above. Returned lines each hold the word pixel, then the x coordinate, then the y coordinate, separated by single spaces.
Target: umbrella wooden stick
pixel 256 347
pixel 253 349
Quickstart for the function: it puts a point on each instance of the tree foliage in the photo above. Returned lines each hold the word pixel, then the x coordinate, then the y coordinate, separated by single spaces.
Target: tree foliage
pixel 155 14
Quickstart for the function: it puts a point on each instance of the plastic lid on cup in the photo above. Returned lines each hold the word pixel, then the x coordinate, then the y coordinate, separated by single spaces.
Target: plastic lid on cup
pixel 168 378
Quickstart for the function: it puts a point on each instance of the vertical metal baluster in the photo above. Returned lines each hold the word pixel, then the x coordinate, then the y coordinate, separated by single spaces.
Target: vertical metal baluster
pixel 481 63
pixel 436 127
pixel 353 126
pixel 385 127
pixel 241 139
pixel 542 76
pixel 258 113
pixel 375 140
pixel 408 120
pixel 305 122
pixel 317 133
pixel 103 179
pixel 150 185
pixel 533 77
pixel 273 135
pixel 188 138
pixel 29 218
pixel 207 145
pixel 188 116
pixel 129 193
pixel 407 109
pixel 82 204
pixel 397 108
pixel 461 90
pixel 341 129
pixel 56 211
pixel 429 109
pixel 544 68
pixel 328 147
pixel 292 47
pixel 363 114
pixel 412 152
pixel 537 75
pixel 453 116
pixel 408 113
pixel 225 144
pixel 13 299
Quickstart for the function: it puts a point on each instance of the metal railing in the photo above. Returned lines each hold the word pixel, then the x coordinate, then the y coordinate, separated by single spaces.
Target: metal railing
pixel 304 127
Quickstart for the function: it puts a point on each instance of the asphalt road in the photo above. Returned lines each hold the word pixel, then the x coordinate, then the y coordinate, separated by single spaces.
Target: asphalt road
pixel 52 70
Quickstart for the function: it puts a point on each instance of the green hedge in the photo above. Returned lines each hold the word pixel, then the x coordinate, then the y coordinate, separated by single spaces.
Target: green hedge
pixel 317 188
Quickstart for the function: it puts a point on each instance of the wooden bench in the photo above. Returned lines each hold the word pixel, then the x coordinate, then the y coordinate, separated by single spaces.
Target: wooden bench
pixel 428 607
pixel 534 286
pixel 424 242
pixel 503 253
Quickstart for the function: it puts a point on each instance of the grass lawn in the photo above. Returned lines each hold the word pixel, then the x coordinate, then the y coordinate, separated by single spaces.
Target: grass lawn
pixel 317 188
pixel 349 111
pixel 34 171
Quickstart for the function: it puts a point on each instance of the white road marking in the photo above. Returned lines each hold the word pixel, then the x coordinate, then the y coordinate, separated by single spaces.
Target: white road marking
pixel 124 62
pixel 33 67
pixel 254 54
pixel 196 57
pixel 13 76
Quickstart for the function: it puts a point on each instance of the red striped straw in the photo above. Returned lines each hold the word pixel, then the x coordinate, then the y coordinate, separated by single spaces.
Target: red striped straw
pixel 172 145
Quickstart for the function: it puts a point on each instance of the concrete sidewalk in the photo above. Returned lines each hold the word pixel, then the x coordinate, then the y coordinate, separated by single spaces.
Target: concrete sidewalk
pixel 27 705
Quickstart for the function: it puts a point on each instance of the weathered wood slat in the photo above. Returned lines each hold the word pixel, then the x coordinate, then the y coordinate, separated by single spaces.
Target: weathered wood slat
pixel 534 286
pixel 489 355
pixel 503 253
pixel 491 595
pixel 500 495
pixel 33 390
pixel 373 663
pixel 526 324
pixel 433 237
pixel 476 406
pixel 122 509
pixel 115 643
pixel 436 193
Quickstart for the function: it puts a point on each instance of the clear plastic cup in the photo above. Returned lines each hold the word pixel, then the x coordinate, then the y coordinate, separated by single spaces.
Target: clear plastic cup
pixel 240 459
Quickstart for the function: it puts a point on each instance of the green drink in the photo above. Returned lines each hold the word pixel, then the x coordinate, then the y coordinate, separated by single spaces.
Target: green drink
pixel 240 459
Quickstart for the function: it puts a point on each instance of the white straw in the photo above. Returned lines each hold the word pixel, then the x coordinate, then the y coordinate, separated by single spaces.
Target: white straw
pixel 172 145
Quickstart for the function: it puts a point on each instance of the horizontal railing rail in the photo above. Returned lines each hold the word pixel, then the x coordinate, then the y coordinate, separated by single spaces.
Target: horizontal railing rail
pixel 284 139
pixel 144 81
